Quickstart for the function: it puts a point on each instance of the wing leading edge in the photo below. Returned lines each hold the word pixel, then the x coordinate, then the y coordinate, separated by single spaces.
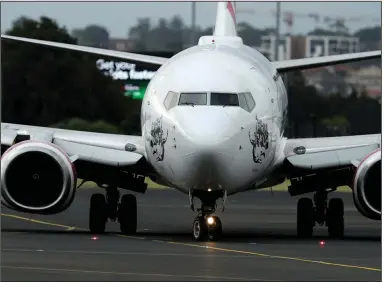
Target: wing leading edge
pixel 308 63
pixel 108 149
pixel 98 51
pixel 281 66
pixel 329 152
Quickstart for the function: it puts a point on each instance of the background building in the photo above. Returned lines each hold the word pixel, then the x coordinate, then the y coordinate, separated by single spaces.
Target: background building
pixel 292 47
pixel 366 79
pixel 341 79
pixel 121 44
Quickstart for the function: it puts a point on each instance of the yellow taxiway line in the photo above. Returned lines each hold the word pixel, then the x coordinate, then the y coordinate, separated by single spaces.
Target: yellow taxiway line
pixel 67 227
pixel 277 257
pixel 71 228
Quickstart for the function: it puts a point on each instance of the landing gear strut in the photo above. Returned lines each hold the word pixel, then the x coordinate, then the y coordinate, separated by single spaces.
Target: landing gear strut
pixel 317 211
pixel 107 207
pixel 207 226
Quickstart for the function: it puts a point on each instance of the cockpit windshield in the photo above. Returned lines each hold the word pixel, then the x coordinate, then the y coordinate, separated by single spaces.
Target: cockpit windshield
pixel 243 100
pixel 193 99
pixel 224 99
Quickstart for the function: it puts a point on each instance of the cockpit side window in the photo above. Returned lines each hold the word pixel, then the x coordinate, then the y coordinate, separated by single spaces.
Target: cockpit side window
pixel 193 99
pixel 174 100
pixel 170 100
pixel 243 102
pixel 224 99
pixel 251 103
pixel 246 101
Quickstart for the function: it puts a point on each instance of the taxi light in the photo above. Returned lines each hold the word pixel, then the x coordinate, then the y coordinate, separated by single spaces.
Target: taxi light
pixel 210 220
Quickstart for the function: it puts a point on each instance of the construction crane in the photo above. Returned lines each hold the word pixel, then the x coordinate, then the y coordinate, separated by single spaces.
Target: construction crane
pixel 337 24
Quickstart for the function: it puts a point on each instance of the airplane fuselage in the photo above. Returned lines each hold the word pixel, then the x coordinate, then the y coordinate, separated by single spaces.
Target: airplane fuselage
pixel 212 123
pixel 197 138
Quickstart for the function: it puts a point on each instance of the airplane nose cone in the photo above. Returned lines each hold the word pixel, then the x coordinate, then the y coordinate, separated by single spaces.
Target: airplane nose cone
pixel 206 127
pixel 208 131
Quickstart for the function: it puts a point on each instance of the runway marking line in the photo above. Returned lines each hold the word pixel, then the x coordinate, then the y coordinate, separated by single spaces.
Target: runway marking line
pixel 146 254
pixel 70 228
pixel 277 257
pixel 67 227
pixel 129 273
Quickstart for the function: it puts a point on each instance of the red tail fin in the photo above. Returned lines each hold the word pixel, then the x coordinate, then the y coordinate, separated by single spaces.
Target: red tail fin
pixel 226 19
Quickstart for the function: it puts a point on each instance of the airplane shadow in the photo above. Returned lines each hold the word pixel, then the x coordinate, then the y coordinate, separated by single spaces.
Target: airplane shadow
pixel 262 236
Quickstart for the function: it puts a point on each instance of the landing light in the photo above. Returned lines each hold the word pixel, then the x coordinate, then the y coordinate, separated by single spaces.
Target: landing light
pixel 210 220
pixel 209 189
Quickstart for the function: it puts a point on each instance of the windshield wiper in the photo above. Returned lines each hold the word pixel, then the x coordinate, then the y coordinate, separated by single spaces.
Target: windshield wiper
pixel 189 104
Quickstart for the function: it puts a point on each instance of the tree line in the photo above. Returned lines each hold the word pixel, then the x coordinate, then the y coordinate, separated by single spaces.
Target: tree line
pixel 51 87
pixel 173 34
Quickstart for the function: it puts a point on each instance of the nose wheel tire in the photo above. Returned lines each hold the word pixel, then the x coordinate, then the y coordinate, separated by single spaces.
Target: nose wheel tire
pixel 97 214
pixel 335 218
pixel 305 218
pixel 216 230
pixel 127 214
pixel 202 231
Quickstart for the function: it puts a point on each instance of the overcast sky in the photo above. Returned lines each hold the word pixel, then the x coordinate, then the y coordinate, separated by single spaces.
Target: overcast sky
pixel 118 17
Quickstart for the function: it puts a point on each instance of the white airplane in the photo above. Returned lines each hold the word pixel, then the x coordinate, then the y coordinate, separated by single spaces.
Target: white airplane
pixel 212 126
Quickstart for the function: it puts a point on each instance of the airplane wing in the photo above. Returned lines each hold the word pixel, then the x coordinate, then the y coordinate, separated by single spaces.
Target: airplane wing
pixel 100 148
pixel 311 154
pixel 99 156
pixel 98 51
pixel 281 66
pixel 307 63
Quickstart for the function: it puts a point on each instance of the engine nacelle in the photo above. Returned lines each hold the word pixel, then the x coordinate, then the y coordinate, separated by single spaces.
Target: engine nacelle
pixel 367 186
pixel 37 177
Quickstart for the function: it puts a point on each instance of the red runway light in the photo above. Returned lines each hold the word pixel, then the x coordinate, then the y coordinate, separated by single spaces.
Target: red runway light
pixel 322 243
pixel 94 238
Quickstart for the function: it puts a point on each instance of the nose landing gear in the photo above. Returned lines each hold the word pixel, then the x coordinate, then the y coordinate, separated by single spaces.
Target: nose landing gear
pixel 207 226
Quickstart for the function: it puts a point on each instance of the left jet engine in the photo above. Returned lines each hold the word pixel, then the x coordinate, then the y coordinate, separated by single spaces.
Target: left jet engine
pixel 37 177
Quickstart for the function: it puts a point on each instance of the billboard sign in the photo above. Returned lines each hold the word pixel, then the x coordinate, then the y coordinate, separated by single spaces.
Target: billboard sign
pixel 134 79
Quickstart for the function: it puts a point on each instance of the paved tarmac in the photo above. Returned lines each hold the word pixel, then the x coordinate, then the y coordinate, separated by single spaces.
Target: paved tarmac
pixel 259 244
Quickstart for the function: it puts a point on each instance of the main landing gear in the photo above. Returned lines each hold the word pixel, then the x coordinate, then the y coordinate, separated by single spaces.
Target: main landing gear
pixel 317 211
pixel 107 207
pixel 207 226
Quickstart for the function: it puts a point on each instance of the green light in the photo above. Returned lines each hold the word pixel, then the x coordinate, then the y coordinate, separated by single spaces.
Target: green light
pixel 136 90
pixel 138 95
